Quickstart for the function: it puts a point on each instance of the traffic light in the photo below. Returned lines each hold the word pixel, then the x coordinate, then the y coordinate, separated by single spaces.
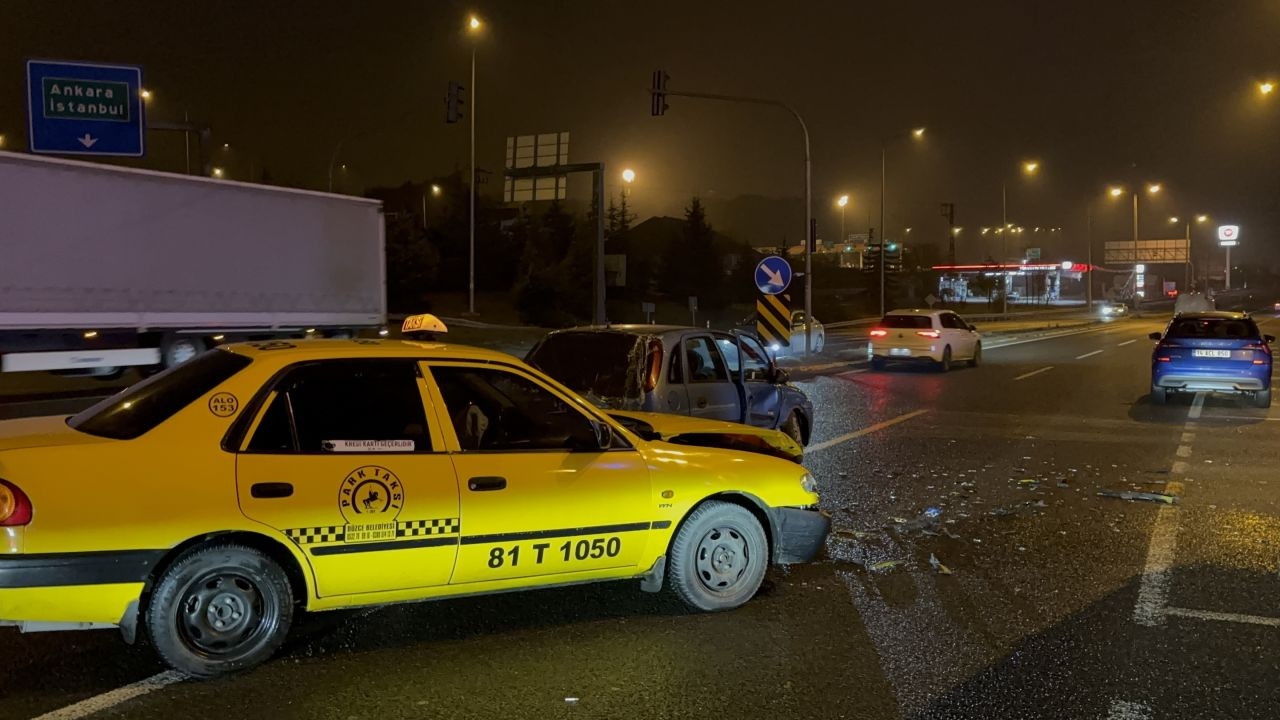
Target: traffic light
pixel 657 94
pixel 453 102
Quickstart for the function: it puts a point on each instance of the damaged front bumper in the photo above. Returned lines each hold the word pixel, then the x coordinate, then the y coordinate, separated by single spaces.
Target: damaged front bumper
pixel 798 534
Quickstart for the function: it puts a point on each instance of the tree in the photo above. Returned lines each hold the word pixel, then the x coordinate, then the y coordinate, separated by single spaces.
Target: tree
pixel 693 262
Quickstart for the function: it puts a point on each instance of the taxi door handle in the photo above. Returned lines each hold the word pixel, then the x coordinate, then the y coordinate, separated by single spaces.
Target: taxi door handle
pixel 271 490
pixel 702 402
pixel 481 484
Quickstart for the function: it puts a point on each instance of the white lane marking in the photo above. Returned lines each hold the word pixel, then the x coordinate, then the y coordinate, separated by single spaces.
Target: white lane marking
pixel 1224 617
pixel 1197 405
pixel 1024 376
pixel 1188 437
pixel 851 372
pixel 864 431
pixel 1184 451
pixel 1125 710
pixel 1127 342
pixel 1153 590
pixel 110 699
pixel 1088 354
pixel 1242 417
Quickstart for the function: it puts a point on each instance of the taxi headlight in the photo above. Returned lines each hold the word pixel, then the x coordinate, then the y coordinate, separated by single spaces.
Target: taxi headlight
pixel 809 483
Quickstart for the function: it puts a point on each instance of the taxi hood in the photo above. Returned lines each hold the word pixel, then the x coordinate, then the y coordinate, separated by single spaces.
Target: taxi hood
pixel 48 431
pixel 685 430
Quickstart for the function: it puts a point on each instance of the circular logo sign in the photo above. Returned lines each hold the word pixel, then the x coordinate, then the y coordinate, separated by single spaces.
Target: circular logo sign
pixel 370 494
pixel 223 404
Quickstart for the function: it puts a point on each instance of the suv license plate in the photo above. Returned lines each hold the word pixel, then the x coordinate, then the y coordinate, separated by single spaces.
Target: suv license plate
pixel 1212 353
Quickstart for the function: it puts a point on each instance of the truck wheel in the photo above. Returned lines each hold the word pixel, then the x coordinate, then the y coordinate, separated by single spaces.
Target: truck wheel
pixel 220 609
pixel 1262 398
pixel 178 349
pixel 718 557
pixel 793 428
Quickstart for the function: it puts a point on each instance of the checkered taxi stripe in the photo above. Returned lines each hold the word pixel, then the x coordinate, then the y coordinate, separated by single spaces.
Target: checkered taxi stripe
pixel 423 528
pixel 311 535
pixel 404 529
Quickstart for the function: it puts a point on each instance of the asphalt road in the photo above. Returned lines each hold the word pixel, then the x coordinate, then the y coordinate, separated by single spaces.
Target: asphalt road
pixel 1060 603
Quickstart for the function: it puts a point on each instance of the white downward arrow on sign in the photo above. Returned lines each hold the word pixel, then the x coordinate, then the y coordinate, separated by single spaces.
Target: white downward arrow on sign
pixel 87 141
pixel 775 277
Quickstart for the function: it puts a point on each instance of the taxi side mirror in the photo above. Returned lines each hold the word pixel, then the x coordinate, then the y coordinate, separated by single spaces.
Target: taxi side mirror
pixel 1155 336
pixel 595 436
pixel 604 435
pixel 1269 338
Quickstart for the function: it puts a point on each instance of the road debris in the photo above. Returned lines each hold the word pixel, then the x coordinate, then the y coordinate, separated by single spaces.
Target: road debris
pixel 885 566
pixel 1134 495
pixel 938 566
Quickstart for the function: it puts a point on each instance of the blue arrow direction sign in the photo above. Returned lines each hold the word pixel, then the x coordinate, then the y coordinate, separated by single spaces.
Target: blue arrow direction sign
pixel 773 275
pixel 85 109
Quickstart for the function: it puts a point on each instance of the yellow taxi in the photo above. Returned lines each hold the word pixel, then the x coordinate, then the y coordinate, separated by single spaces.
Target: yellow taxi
pixel 208 504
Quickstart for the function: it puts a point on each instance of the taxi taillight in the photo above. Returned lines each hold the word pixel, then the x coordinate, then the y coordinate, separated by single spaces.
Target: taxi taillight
pixel 653 366
pixel 15 506
pixel 878 332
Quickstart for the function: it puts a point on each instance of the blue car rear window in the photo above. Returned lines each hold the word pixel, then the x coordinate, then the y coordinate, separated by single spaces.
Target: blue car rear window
pixel 1213 328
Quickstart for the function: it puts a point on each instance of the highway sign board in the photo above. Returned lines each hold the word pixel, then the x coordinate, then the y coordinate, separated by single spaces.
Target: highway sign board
pixel 85 109
pixel 1033 253
pixel 773 275
pixel 1228 235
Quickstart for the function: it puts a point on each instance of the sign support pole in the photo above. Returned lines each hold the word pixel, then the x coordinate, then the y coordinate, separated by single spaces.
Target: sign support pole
pixel 599 314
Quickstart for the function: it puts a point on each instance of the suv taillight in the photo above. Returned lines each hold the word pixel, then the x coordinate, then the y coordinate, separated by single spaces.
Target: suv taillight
pixel 878 333
pixel 15 507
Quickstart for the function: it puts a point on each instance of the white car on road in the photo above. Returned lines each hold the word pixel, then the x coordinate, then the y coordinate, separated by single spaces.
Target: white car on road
pixel 937 336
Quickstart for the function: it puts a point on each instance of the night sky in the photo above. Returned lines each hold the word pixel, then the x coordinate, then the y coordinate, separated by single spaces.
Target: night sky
pixel 1097 92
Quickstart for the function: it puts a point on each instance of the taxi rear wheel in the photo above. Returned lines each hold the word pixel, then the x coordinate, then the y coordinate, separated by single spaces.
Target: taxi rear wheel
pixel 220 609
pixel 718 557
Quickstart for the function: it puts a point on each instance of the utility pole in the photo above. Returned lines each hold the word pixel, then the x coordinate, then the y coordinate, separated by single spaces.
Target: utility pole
pixel 1088 252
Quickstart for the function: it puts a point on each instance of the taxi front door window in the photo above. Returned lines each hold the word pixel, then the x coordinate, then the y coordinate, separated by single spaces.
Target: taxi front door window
pixel 342 465
pixel 537 498
pixel 495 410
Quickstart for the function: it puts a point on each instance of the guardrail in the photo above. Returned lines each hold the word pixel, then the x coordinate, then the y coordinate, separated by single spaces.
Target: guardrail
pixel 990 317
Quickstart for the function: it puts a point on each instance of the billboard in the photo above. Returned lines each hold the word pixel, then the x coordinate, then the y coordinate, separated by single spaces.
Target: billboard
pixel 1145 251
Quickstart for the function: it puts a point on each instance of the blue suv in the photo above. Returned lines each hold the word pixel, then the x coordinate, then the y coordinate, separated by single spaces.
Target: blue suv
pixel 1215 352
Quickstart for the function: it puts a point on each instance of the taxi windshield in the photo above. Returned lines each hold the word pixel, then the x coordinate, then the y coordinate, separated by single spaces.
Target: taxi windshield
pixel 139 408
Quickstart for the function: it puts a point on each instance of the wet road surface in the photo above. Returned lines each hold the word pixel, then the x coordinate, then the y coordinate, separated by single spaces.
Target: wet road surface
pixel 1046 599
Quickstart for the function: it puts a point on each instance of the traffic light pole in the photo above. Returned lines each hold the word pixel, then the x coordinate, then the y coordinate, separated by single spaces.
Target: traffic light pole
pixel 658 93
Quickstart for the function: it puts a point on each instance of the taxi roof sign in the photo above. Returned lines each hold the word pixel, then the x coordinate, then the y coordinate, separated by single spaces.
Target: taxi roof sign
pixel 424 323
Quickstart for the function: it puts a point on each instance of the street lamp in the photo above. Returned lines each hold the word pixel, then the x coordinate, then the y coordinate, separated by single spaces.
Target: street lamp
pixel 916 134
pixel 628 176
pixel 1173 220
pixel 1153 188
pixel 473 28
pixel 217 172
pixel 1202 219
pixel 1266 87
pixel 145 93
pixel 435 190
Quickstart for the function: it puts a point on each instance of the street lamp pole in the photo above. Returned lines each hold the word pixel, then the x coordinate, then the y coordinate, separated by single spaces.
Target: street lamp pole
pixel 1004 252
pixel 884 237
pixel 471 265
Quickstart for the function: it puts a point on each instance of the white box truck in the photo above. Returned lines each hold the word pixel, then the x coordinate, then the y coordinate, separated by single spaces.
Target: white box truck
pixel 105 267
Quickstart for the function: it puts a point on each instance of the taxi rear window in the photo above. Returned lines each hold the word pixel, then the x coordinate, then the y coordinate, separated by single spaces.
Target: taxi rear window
pixel 132 412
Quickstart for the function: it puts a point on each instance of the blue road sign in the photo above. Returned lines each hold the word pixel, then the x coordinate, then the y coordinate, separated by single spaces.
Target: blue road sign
pixel 85 109
pixel 773 275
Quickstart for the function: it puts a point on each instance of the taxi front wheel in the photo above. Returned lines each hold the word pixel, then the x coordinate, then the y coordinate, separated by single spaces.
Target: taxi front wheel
pixel 718 557
pixel 220 609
